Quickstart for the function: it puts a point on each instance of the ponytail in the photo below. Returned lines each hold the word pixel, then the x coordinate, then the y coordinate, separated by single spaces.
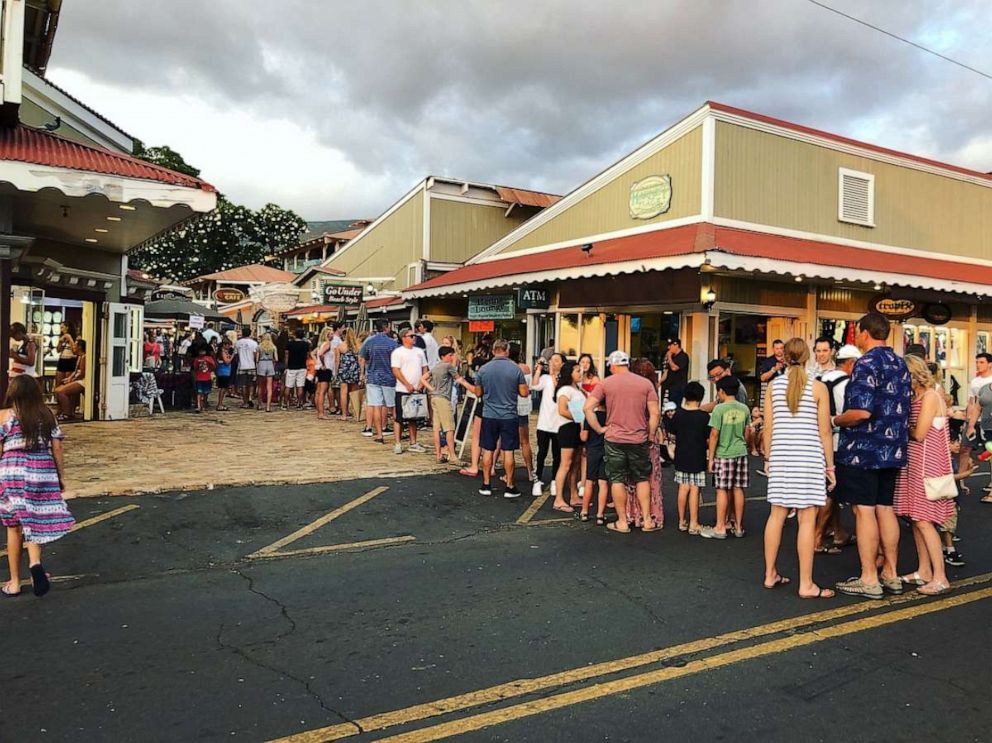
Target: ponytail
pixel 796 355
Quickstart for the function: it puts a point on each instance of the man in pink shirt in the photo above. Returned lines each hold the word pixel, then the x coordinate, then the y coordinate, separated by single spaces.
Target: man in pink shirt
pixel 632 416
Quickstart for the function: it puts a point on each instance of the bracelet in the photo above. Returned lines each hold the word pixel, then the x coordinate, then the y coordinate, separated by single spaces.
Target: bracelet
pixel 831 469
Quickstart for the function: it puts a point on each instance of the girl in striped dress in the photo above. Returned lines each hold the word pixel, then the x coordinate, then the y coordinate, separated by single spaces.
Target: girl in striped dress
pixel 31 482
pixel 928 428
pixel 799 442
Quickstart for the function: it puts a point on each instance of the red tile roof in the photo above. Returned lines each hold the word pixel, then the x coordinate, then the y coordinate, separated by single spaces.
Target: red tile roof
pixel 383 302
pixel 255 272
pixel 702 237
pixel 526 198
pixel 313 309
pixel 24 144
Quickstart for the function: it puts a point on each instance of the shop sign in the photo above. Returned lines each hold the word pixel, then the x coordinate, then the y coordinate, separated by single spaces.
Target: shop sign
pixel 650 196
pixel 196 321
pixel 228 296
pixel 893 308
pixel 169 294
pixel 533 299
pixel 347 295
pixel 482 326
pixel 937 313
pixel 490 307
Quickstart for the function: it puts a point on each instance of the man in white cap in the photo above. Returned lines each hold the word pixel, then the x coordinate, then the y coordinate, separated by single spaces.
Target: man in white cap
pixel 632 416
pixel 836 380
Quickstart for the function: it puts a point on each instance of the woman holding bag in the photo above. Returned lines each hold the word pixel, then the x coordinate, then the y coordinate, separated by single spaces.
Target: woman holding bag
pixel 928 475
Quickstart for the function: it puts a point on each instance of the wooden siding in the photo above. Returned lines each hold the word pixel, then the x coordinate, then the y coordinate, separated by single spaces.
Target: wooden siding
pixel 460 230
pixel 608 208
pixel 388 247
pixel 768 179
pixel 745 290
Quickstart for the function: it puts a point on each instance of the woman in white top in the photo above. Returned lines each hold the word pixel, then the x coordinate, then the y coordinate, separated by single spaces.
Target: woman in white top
pixel 325 371
pixel 799 442
pixel 570 398
pixel 545 380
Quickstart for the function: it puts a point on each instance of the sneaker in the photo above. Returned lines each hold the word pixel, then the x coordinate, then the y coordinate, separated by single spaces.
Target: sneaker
pixel 511 493
pixel 857 587
pixel 417 448
pixel 397 448
pixel 708 532
pixel 537 489
pixel 891 585
pixel 954 558
pixel 553 488
pixel 485 490
pixel 368 433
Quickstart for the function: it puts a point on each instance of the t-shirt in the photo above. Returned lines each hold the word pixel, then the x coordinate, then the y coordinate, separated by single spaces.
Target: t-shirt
pixel 836 382
pixel 547 414
pixel 981 390
pixel 443 376
pixel 223 363
pixel 676 380
pixel 730 419
pixel 209 334
pixel 691 429
pixel 202 367
pixel 879 385
pixel 627 396
pixel 411 363
pixel 575 400
pixel 767 365
pixel 377 351
pixel 595 440
pixel 246 348
pixel 500 380
pixel 298 351
pixel 431 348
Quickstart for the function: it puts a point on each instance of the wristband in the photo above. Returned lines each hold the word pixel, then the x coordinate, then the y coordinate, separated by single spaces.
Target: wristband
pixel 831 469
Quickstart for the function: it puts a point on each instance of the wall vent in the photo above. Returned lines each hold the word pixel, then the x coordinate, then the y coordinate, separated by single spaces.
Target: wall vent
pixel 856 197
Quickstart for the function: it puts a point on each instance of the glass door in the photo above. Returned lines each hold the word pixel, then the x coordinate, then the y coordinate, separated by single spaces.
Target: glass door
pixel 117 347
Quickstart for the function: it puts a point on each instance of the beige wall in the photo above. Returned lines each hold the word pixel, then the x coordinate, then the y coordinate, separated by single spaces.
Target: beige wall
pixel 608 209
pixel 388 247
pixel 767 179
pixel 460 230
pixel 33 115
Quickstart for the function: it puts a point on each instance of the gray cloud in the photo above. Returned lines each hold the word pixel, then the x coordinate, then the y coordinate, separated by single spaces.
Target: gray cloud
pixel 545 93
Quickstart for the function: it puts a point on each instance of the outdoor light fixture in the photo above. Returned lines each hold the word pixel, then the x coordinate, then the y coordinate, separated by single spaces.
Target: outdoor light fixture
pixel 113 219
pixel 100 229
pixel 878 287
pixel 709 299
pixel 91 240
pixel 128 207
pixel 587 248
pixel 799 278
pixel 73 279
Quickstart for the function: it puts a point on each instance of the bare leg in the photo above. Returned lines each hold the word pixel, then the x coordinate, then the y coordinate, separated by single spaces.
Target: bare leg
pixel 268 394
pixel 604 492
pixel 525 450
pixel 822 519
pixel 14 544
pixel 693 506
pixel 773 540
pixel 683 496
pixel 619 492
pixel 931 540
pixel 888 531
pixel 739 508
pixel 644 499
pixel 804 546
pixel 587 496
pixel 412 427
pixel 722 498
pixel 344 401
pixel 437 443
pixel 508 468
pixel 867 531
pixel 924 568
pixel 560 477
pixel 573 480
pixel 476 449
pixel 487 466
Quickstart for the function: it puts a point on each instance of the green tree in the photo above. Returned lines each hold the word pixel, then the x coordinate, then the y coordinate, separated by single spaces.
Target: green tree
pixel 166 157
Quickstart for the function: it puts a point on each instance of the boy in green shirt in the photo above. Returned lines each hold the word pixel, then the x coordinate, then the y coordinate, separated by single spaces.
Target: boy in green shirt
pixel 727 457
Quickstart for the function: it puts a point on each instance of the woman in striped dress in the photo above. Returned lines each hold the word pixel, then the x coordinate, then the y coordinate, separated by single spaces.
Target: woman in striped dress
pixel 31 504
pixel 799 442
pixel 929 433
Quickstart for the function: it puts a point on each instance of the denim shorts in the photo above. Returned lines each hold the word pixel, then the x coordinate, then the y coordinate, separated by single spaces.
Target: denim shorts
pixel 379 395
pixel 203 388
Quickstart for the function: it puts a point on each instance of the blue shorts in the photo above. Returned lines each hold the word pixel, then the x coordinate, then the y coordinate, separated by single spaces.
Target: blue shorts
pixel 494 431
pixel 379 395
pixel 203 388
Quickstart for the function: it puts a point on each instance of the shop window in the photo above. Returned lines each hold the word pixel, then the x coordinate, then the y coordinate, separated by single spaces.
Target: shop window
pixel 592 336
pixel 982 342
pixel 843 332
pixel 568 341
pixel 948 348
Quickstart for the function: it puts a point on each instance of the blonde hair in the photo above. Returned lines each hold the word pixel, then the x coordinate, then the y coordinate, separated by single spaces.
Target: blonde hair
pixel 919 372
pixel 267 346
pixel 796 355
pixel 325 335
pixel 351 340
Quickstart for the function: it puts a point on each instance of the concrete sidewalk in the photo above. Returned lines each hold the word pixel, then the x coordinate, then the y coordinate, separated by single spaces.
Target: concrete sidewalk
pixel 186 451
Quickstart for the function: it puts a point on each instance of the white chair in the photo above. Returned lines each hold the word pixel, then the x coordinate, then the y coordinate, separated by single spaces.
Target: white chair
pixel 149 391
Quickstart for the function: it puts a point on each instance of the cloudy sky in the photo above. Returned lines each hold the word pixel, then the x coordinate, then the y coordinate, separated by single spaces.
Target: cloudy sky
pixel 336 108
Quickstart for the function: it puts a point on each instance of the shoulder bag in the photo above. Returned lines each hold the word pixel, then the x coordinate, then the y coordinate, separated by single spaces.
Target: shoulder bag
pixel 941 487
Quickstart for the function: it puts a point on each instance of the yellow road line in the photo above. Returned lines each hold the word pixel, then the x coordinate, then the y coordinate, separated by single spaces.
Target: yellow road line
pixel 521 687
pixel 609 688
pixel 332 548
pixel 95 520
pixel 533 508
pixel 314 525
pixel 730 503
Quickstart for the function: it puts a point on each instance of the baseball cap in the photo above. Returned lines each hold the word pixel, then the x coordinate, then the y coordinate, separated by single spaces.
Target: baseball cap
pixel 669 405
pixel 618 358
pixel 848 352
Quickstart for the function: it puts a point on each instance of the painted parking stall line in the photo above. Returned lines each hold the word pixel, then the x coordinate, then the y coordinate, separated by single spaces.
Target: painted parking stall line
pixel 96 520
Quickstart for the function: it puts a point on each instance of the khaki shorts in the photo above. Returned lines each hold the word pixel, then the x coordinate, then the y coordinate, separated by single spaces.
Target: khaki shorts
pixel 444 416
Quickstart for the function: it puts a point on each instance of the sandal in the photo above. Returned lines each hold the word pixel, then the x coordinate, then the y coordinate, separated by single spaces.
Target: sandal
pixel 612 526
pixel 912 580
pixel 468 473
pixel 39 579
pixel 780 580
pixel 693 532
pixel 941 588
pixel 683 526
pixel 831 549
pixel 656 527
pixel 821 593
pixel 600 520
pixel 986 499
pixel 8 594
pixel 584 516
pixel 564 509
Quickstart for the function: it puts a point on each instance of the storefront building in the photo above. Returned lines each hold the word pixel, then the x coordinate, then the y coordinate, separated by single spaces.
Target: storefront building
pixel 730 230
pixel 316 250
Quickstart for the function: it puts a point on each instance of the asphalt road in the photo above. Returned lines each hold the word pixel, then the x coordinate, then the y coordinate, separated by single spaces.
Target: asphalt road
pixel 161 628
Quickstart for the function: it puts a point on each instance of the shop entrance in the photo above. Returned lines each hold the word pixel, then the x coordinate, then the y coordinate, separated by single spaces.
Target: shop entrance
pixel 650 335
pixel 949 347
pixel 745 340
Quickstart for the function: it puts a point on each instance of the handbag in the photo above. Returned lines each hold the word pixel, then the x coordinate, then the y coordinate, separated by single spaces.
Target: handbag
pixel 941 487
pixel 414 406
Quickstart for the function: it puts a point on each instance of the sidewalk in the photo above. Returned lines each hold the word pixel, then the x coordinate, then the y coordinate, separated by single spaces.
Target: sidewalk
pixel 186 451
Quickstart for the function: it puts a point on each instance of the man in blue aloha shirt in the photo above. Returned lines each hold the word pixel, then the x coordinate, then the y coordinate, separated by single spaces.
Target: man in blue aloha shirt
pixel 874 433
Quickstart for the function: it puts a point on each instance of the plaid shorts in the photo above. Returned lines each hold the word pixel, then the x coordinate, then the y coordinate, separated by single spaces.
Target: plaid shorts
pixel 691 478
pixel 730 473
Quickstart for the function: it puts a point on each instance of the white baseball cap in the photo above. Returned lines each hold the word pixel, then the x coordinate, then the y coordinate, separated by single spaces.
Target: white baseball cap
pixel 848 352
pixel 669 405
pixel 618 358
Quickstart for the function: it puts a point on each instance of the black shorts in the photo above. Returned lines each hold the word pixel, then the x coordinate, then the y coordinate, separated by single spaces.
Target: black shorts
pixel 861 487
pixel 497 431
pixel 324 376
pixel 568 436
pixel 595 463
pixel 223 382
pixel 66 365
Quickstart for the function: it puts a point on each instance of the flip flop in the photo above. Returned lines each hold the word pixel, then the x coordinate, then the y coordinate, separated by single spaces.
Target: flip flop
pixel 612 526
pixel 821 593
pixel 564 509
pixel 39 580
pixel 912 579
pixel 8 594
pixel 829 549
pixel 645 530
pixel 780 580
pixel 468 473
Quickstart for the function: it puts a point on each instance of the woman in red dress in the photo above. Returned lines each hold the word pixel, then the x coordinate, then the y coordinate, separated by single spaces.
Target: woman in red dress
pixel 928 456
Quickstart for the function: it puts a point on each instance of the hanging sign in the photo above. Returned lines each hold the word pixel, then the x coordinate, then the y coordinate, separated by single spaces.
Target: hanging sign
pixel 481 326
pixel 196 321
pixel 228 296
pixel 893 308
pixel 650 196
pixel 170 293
pixel 345 295
pixel 937 313
pixel 490 307
pixel 533 299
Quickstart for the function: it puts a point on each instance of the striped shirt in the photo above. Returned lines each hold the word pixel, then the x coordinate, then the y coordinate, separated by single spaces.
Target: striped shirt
pixel 797 474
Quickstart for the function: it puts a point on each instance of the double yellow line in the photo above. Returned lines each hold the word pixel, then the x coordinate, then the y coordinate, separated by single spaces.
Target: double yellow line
pixel 521 687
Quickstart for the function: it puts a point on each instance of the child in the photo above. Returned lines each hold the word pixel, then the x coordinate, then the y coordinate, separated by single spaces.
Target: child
pixel 439 381
pixel 310 384
pixel 225 354
pixel 31 503
pixel 691 427
pixel 203 367
pixel 728 461
pixel 595 444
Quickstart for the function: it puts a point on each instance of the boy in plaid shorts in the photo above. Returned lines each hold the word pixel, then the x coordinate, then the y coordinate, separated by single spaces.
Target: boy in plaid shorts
pixel 691 428
pixel 729 422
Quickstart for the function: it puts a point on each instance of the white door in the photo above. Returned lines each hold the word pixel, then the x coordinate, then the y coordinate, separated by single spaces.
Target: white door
pixel 117 349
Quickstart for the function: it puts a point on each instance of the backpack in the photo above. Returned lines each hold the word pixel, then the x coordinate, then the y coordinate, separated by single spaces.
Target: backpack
pixel 830 390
